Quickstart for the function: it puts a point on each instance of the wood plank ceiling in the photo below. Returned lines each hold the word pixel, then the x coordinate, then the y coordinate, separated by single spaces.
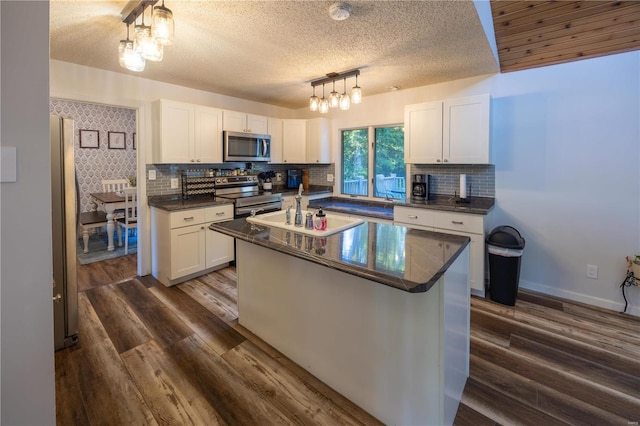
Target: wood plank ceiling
pixel 532 34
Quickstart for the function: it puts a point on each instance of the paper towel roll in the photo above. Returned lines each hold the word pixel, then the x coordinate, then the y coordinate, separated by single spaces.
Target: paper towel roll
pixel 463 186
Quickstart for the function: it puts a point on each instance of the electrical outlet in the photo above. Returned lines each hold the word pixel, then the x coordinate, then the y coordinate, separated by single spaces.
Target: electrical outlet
pixel 152 175
pixel 175 183
pixel 278 177
pixel 329 177
pixel 592 272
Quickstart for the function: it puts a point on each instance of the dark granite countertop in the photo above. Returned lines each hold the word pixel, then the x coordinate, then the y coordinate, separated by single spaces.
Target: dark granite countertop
pixel 384 209
pixel 407 259
pixel 176 202
pixel 312 190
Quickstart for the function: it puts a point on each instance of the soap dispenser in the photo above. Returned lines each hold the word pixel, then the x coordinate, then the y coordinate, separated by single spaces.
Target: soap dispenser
pixel 320 222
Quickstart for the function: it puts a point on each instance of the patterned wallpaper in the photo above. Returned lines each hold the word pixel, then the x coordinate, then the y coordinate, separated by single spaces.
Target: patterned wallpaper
pixel 93 165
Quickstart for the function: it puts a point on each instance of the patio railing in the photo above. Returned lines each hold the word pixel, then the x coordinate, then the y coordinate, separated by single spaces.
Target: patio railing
pixel 392 186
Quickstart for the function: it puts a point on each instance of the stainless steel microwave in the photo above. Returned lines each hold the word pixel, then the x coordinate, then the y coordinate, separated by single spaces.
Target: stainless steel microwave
pixel 239 146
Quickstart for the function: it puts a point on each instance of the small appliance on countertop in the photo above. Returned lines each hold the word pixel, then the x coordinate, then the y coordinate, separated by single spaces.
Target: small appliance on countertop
pixel 420 187
pixel 294 178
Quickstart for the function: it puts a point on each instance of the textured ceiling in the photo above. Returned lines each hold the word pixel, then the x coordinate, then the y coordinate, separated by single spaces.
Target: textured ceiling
pixel 269 51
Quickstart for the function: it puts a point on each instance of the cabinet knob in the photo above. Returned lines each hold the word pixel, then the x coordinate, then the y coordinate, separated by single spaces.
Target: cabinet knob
pixel 438 161
pixel 198 160
pixel 446 161
pixel 202 227
pixel 192 160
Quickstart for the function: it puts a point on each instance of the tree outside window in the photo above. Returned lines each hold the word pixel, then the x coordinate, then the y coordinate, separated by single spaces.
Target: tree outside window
pixel 386 176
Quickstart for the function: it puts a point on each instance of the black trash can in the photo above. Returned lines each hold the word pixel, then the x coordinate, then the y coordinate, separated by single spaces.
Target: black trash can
pixel 505 246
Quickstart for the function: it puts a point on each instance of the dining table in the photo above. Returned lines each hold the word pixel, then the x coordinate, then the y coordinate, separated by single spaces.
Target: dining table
pixel 109 202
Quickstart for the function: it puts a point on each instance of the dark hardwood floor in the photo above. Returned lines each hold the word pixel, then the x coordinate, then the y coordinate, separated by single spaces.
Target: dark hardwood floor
pixel 148 354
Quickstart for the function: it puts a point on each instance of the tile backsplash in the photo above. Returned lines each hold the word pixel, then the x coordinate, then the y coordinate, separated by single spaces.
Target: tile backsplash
pixel 164 172
pixel 445 178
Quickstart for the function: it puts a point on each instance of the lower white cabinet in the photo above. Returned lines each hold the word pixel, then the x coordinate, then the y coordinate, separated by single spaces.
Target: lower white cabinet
pixel 183 246
pixel 468 225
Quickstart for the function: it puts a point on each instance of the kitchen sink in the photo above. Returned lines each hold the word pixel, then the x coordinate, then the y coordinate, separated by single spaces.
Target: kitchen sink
pixel 277 219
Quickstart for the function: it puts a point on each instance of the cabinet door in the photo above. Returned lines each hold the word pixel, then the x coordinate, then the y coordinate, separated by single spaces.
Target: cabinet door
pixel 274 128
pixel 294 141
pixel 257 124
pixel 466 130
pixel 318 140
pixel 234 121
pixel 173 125
pixel 208 135
pixel 187 250
pixel 219 249
pixel 476 259
pixel 423 133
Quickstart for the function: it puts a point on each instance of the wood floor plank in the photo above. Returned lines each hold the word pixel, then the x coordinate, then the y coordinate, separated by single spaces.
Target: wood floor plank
pixel 90 329
pixel 70 409
pixel 109 394
pixel 222 284
pixel 285 390
pixel 120 268
pixel 149 281
pixel 170 402
pixel 336 398
pixel 124 328
pixel 165 327
pixel 219 335
pixel 467 416
pixel 579 388
pixel 232 398
pixel 503 380
pixel 540 299
pixel 211 299
pixel 91 275
pixel 607 319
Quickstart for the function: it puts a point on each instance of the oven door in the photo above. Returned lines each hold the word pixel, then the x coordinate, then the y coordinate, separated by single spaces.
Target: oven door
pixel 259 208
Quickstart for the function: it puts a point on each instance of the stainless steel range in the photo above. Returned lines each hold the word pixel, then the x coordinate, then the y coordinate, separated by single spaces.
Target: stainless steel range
pixel 245 193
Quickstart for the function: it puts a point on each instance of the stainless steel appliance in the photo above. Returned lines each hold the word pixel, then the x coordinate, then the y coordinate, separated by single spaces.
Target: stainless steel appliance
pixel 239 146
pixel 64 212
pixel 294 178
pixel 420 186
pixel 246 196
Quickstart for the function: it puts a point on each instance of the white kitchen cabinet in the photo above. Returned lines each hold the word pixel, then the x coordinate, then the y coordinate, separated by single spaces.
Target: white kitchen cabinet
pixel 274 127
pixel 318 140
pixel 453 131
pixel 294 141
pixel 468 225
pixel 243 122
pixel 186 133
pixel 184 247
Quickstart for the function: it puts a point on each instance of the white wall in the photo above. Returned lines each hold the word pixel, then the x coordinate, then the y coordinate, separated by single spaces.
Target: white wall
pixel 27 382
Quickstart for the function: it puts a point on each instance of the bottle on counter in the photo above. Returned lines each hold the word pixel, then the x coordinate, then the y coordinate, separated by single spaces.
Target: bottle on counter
pixel 320 222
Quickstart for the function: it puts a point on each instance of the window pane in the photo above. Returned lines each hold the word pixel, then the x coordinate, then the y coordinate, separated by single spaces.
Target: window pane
pixel 355 161
pixel 389 169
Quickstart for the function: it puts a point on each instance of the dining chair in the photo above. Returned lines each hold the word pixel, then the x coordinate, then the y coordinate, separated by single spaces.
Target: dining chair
pixel 130 219
pixel 114 185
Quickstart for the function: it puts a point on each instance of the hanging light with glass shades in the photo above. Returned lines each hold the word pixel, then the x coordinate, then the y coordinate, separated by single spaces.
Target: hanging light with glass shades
pixel 148 41
pixel 335 100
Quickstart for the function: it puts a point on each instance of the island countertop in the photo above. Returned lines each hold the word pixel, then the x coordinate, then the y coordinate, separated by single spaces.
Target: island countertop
pixel 407 259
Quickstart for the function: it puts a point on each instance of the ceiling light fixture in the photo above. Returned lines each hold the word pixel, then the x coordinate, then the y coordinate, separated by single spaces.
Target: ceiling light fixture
pixel 344 101
pixel 149 41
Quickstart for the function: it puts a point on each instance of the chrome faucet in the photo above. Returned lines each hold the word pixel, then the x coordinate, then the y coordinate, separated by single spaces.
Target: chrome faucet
pixel 254 211
pixel 288 222
pixel 298 220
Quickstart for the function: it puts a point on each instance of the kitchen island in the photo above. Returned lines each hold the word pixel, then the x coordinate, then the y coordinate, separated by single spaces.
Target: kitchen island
pixel 378 312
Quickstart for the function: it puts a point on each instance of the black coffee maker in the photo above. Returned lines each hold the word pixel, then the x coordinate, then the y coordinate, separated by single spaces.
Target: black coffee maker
pixel 420 187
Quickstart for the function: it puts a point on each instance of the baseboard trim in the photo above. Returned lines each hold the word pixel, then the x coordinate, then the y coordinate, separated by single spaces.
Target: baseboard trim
pixel 582 298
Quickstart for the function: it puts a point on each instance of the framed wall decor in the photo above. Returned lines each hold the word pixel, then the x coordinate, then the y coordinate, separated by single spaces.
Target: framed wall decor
pixel 134 140
pixel 116 140
pixel 89 139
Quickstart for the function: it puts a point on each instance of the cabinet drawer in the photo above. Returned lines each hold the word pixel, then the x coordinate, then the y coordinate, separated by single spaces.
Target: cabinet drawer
pixel 413 216
pixel 186 218
pixel 458 222
pixel 218 213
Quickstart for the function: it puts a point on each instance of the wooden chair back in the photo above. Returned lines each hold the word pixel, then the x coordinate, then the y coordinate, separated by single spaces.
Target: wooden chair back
pixel 114 185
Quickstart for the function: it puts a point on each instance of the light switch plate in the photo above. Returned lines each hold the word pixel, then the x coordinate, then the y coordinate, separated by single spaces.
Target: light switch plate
pixel 175 183
pixel 329 177
pixel 152 175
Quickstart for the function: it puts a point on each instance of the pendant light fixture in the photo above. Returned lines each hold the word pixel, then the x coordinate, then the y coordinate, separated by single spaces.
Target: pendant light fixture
pixel 324 103
pixel 314 102
pixel 148 41
pixel 334 97
pixel 343 101
pixel 356 93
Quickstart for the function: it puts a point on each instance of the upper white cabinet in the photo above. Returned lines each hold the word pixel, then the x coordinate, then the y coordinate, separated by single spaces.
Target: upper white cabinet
pixel 294 141
pixel 274 126
pixel 318 140
pixel 453 131
pixel 186 133
pixel 242 122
